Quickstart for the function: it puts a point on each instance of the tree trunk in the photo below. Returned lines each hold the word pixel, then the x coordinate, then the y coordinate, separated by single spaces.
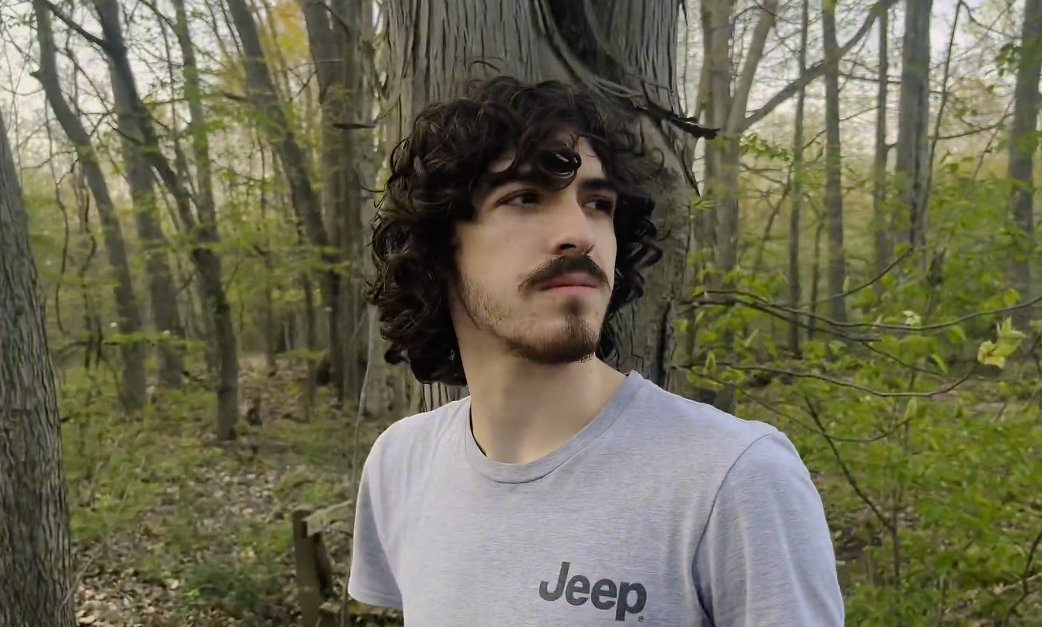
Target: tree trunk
pixel 881 225
pixel 209 263
pixel 721 187
pixel 728 114
pixel 555 39
pixel 204 232
pixel 337 52
pixel 837 263
pixel 795 283
pixel 133 384
pixel 1022 146
pixel 815 280
pixel 161 288
pixel 310 342
pixel 274 122
pixel 35 540
pixel 913 116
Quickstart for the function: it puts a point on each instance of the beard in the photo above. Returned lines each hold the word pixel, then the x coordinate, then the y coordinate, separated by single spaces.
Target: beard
pixel 572 339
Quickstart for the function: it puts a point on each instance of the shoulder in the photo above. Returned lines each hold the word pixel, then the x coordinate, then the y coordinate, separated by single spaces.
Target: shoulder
pixel 696 432
pixel 406 447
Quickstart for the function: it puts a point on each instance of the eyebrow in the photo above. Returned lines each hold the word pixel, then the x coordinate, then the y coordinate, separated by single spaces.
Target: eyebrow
pixel 598 184
pixel 488 183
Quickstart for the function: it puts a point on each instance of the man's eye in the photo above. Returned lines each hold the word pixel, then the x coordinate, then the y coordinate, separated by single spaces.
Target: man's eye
pixel 602 204
pixel 523 198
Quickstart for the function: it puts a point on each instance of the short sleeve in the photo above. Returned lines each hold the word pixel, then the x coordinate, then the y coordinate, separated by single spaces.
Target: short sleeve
pixel 766 555
pixel 371 579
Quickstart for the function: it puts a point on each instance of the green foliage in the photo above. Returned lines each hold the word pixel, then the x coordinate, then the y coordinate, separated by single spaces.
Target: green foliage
pixel 919 417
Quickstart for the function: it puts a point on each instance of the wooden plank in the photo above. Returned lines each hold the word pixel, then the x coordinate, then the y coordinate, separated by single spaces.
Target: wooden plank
pixel 313 573
pixel 323 519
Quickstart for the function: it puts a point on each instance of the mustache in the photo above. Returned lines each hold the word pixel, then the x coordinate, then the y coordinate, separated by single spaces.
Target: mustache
pixel 560 266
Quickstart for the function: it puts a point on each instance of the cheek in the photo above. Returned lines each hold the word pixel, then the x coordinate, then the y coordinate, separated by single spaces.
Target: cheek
pixel 608 257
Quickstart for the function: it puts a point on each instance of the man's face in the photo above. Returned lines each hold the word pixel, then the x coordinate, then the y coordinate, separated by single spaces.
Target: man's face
pixel 536 265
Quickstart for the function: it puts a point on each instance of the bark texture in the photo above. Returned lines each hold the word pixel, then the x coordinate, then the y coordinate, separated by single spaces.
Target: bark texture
pixel 35 545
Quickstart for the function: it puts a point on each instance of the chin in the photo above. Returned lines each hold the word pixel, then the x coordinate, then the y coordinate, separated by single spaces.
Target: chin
pixel 569 342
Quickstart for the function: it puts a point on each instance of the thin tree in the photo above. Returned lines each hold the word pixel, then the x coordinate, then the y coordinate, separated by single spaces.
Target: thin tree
pixel 132 388
pixel 204 232
pixel 274 121
pixel 913 119
pixel 837 263
pixel 795 235
pixel 161 289
pixel 336 36
pixel 35 540
pixel 1022 146
pixel 880 223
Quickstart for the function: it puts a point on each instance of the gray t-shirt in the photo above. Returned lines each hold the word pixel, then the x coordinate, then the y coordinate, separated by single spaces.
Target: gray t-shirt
pixel 661 511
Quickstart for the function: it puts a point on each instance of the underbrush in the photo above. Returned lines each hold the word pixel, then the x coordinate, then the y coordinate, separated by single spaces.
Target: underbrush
pixel 173 529
pixel 928 464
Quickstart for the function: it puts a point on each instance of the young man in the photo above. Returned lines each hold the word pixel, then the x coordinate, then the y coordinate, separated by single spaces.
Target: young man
pixel 561 491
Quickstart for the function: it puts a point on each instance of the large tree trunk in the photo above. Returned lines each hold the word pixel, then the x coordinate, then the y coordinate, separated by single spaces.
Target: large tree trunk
pixel 35 545
pixel 881 225
pixel 166 317
pixel 557 39
pixel 913 117
pixel 272 118
pixel 133 384
pixel 1022 146
pixel 837 262
pixel 795 236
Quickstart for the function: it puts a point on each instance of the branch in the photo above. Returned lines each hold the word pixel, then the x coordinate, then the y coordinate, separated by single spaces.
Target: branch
pixel 815 70
pixel 865 325
pixel 92 38
pixel 886 522
pixel 869 282
pixel 820 430
pixel 768 15
pixel 846 384
pixel 1024 579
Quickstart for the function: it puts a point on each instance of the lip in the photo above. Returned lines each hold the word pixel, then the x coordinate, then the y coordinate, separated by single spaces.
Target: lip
pixel 571 282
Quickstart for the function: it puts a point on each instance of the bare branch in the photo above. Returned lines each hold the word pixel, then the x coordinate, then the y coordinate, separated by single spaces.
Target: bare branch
pixel 815 70
pixel 768 15
pixel 58 13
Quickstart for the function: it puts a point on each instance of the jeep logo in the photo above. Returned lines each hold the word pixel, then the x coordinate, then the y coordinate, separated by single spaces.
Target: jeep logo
pixel 625 597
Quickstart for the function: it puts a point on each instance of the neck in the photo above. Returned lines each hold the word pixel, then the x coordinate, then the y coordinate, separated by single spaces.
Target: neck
pixel 521 411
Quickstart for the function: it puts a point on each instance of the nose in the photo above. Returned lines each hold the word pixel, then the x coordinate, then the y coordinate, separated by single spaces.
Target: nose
pixel 572 230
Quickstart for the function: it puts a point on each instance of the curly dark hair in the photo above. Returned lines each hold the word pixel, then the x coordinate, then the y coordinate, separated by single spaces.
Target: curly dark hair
pixel 433 174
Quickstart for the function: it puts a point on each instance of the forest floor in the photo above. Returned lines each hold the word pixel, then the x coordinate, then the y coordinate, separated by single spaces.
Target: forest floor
pixel 171 529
